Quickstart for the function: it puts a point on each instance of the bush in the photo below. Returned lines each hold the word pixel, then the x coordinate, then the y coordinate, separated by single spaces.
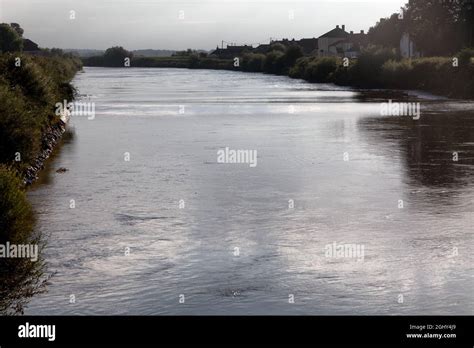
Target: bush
pixel 96 61
pixel 277 47
pixel 16 214
pixel 20 279
pixel 115 56
pixel 435 74
pixel 292 54
pixel 398 74
pixel 194 61
pixel 214 63
pixel 320 70
pixel 253 62
pixel 158 62
pixel 274 63
pixel 465 56
pixel 29 78
pixel 28 95
pixel 10 40
pixel 366 72
pixel 298 69
pixel 20 130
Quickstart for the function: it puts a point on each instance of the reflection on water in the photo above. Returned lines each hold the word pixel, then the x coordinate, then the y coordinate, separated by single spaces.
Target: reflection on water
pixel 437 151
pixel 127 247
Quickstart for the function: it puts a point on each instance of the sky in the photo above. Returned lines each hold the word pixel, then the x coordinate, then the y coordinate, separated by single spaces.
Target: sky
pixel 182 24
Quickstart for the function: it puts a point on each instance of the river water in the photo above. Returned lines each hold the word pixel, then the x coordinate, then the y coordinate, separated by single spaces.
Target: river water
pixel 146 221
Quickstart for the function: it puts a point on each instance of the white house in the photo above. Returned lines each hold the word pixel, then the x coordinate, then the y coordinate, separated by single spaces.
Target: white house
pixel 338 42
pixel 408 47
pixel 326 42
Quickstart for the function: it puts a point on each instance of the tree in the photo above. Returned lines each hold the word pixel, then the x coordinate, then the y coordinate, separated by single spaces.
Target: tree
pixel 278 47
pixel 274 62
pixel 253 62
pixel 189 52
pixel 435 25
pixel 292 54
pixel 387 33
pixel 17 28
pixel 467 23
pixel 10 41
pixel 115 56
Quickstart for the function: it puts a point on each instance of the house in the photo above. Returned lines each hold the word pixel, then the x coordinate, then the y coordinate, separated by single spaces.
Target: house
pixel 408 48
pixel 351 46
pixel 339 48
pixel 284 42
pixel 230 52
pixel 340 43
pixel 328 43
pixel 30 46
pixel 308 46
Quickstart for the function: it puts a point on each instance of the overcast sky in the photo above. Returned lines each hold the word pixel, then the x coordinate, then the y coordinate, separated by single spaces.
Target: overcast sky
pixel 176 24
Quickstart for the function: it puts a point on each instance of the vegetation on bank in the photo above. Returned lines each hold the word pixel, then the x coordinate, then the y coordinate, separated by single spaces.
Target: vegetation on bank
pixel 16 215
pixel 452 77
pixel 30 86
pixel 20 279
pixel 28 94
pixel 119 57
pixel 376 67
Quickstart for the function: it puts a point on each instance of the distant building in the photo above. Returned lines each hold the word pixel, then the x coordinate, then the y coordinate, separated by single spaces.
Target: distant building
pixel 230 52
pixel 340 43
pixel 284 42
pixel 335 43
pixel 264 48
pixel 308 46
pixel 30 46
pixel 408 48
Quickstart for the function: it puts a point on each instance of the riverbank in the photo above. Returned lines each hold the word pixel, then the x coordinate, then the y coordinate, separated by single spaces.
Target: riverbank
pixel 374 69
pixel 51 138
pixel 30 86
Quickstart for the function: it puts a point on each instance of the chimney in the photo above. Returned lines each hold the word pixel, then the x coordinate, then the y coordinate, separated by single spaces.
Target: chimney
pixel 344 27
pixel 362 32
pixel 352 32
pixel 337 26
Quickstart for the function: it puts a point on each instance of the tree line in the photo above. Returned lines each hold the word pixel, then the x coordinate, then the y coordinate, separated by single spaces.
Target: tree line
pixel 438 27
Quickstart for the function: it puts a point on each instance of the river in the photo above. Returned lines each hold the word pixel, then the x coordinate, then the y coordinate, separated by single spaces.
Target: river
pixel 146 221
